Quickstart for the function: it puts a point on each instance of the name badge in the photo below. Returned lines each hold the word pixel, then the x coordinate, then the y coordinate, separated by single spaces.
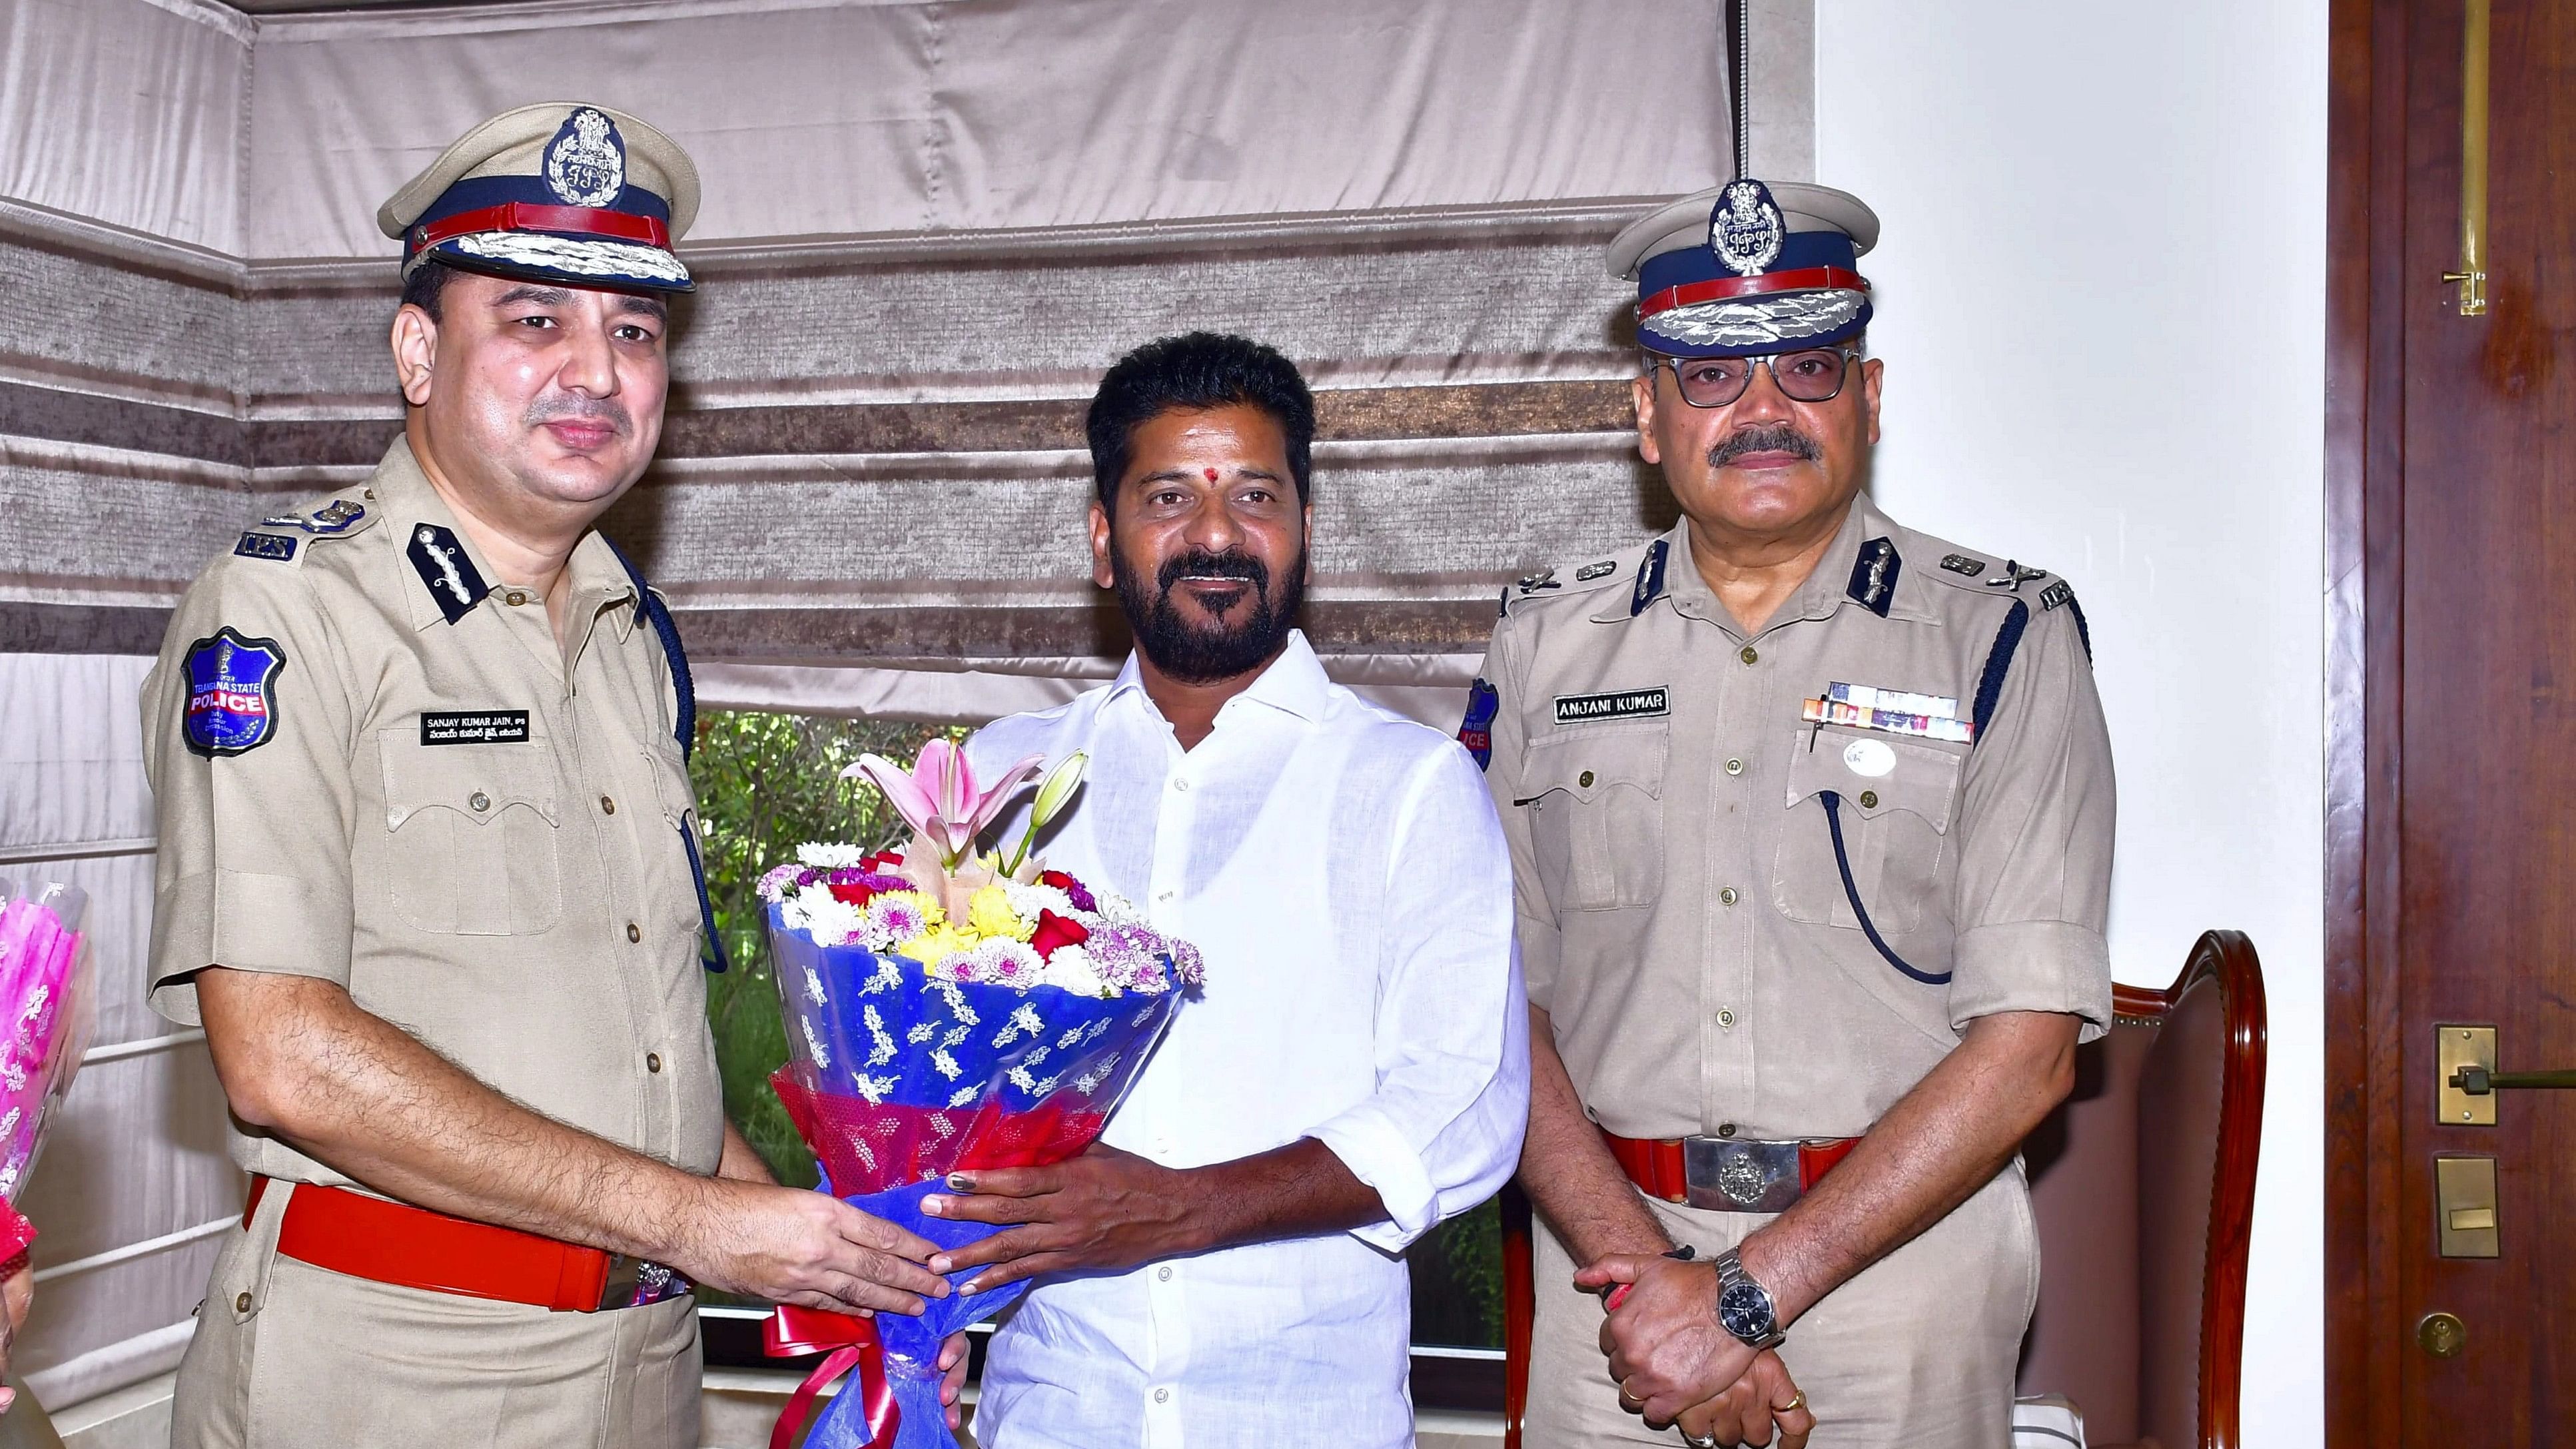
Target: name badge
pixel 474 727
pixel 1618 704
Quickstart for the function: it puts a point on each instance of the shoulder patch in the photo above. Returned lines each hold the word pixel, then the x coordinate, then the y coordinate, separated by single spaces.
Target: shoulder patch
pixel 1591 571
pixel 1650 577
pixel 1874 573
pixel 1476 731
pixel 276 548
pixel 1960 563
pixel 231 709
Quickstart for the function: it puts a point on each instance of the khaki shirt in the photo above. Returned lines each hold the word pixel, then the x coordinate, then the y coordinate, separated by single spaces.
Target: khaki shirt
pixel 474 829
pixel 1684 915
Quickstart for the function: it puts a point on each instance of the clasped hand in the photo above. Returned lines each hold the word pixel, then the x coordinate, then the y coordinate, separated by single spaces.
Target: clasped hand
pixel 1676 1366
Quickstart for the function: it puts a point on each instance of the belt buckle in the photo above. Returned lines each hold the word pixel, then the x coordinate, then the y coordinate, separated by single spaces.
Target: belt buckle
pixel 637 1282
pixel 1724 1175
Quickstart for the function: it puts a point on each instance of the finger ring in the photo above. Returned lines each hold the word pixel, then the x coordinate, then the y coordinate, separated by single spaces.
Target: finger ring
pixel 1699 1441
pixel 1627 1400
pixel 1795 1400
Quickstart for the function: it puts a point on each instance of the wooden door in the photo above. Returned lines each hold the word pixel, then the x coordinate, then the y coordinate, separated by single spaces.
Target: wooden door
pixel 2452 757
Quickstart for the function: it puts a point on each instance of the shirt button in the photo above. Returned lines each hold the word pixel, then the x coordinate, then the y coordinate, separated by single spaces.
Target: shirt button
pixel 371 495
pixel 1181 782
pixel 516 597
pixel 241 1304
pixel 1749 654
pixel 1164 1272
pixel 607 806
pixel 1584 780
pixel 480 801
pixel 1728 897
pixel 652 1061
pixel 634 932
pixel 1735 767
pixel 1725 1129
pixel 1869 799
pixel 1162 1396
pixel 1725 1017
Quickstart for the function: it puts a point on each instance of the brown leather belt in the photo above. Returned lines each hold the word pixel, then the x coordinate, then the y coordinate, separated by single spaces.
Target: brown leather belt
pixel 410 1247
pixel 1727 1174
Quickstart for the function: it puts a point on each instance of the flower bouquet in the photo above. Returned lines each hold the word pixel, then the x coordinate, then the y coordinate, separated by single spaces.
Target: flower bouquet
pixel 946 1011
pixel 46 1016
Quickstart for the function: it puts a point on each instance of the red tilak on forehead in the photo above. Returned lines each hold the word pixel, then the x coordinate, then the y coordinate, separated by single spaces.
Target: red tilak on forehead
pixel 1211 475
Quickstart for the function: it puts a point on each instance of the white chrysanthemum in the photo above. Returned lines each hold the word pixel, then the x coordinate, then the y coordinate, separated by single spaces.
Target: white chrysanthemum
pixel 1117 910
pixel 828 919
pixel 825 855
pixel 1027 900
pixel 1070 968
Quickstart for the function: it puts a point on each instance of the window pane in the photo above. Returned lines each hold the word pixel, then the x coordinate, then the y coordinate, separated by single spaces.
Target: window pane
pixel 1458 1281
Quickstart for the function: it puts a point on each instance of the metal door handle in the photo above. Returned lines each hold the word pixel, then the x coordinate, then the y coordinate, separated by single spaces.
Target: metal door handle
pixel 2478 1081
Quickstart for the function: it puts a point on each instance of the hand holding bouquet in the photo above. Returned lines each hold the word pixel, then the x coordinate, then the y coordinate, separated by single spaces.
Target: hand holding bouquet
pixel 947 1011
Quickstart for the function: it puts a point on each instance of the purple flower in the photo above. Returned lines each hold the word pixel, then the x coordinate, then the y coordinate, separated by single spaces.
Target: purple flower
pixel 1188 967
pixel 1130 958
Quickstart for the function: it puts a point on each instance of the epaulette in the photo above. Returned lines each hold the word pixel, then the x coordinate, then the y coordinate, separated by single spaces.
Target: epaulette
pixel 280 537
pixel 1569 580
pixel 2016 580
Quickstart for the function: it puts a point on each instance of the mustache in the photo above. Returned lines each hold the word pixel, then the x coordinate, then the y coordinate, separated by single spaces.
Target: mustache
pixel 589 409
pixel 1765 438
pixel 1201 564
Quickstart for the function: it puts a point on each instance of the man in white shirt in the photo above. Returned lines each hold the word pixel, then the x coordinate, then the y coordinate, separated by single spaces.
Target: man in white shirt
pixel 1224 1269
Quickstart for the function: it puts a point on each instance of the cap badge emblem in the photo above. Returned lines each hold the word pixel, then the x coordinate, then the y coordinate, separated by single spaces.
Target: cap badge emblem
pixel 586 161
pixel 1746 229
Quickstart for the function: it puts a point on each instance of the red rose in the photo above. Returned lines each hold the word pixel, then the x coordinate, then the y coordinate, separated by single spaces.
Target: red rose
pixel 1054 931
pixel 883 860
pixel 1055 878
pixel 853 894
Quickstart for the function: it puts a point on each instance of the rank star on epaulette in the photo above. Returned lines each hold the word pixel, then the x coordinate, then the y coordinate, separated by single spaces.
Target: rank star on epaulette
pixel 1960 563
pixel 1544 579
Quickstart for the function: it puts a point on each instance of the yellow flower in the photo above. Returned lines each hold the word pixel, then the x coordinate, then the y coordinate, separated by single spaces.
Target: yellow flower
pixel 991 915
pixel 936 944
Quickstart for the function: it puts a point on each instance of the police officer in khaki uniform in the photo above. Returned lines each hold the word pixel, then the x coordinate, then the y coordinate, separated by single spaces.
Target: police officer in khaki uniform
pixel 426 875
pixel 1811 818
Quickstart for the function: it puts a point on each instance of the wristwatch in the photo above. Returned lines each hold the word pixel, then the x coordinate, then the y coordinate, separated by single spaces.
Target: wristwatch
pixel 1743 1306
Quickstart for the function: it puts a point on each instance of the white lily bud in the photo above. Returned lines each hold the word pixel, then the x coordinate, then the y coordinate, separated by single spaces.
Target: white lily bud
pixel 1058 787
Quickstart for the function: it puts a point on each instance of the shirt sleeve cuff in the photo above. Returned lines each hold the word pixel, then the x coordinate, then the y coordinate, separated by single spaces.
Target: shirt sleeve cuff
pixel 244 922
pixel 2055 966
pixel 1378 1154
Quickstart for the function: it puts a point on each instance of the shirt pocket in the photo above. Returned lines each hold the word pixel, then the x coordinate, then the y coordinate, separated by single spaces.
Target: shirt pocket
pixel 475 847
pixel 1596 816
pixel 1895 828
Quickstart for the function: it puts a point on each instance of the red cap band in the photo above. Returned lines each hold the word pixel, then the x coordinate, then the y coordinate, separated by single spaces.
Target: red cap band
pixel 585 221
pixel 1805 279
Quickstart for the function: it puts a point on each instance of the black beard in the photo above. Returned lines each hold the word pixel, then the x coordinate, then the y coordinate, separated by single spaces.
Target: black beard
pixel 1237 646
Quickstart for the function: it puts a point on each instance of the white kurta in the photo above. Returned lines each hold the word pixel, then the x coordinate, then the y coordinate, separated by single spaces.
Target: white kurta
pixel 1342 871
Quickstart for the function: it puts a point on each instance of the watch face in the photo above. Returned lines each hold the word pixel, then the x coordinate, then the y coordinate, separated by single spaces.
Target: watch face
pixel 1744 1310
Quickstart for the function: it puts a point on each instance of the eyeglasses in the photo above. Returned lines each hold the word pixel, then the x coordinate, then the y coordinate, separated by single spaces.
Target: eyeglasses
pixel 1812 376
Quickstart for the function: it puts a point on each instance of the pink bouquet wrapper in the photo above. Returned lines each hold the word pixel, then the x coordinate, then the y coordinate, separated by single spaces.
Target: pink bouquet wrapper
pixel 48 1011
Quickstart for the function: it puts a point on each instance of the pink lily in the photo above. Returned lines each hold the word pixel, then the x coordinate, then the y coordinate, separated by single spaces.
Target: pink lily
pixel 938 797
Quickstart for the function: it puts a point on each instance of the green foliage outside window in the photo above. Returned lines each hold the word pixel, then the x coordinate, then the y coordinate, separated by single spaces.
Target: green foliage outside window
pixel 769 782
